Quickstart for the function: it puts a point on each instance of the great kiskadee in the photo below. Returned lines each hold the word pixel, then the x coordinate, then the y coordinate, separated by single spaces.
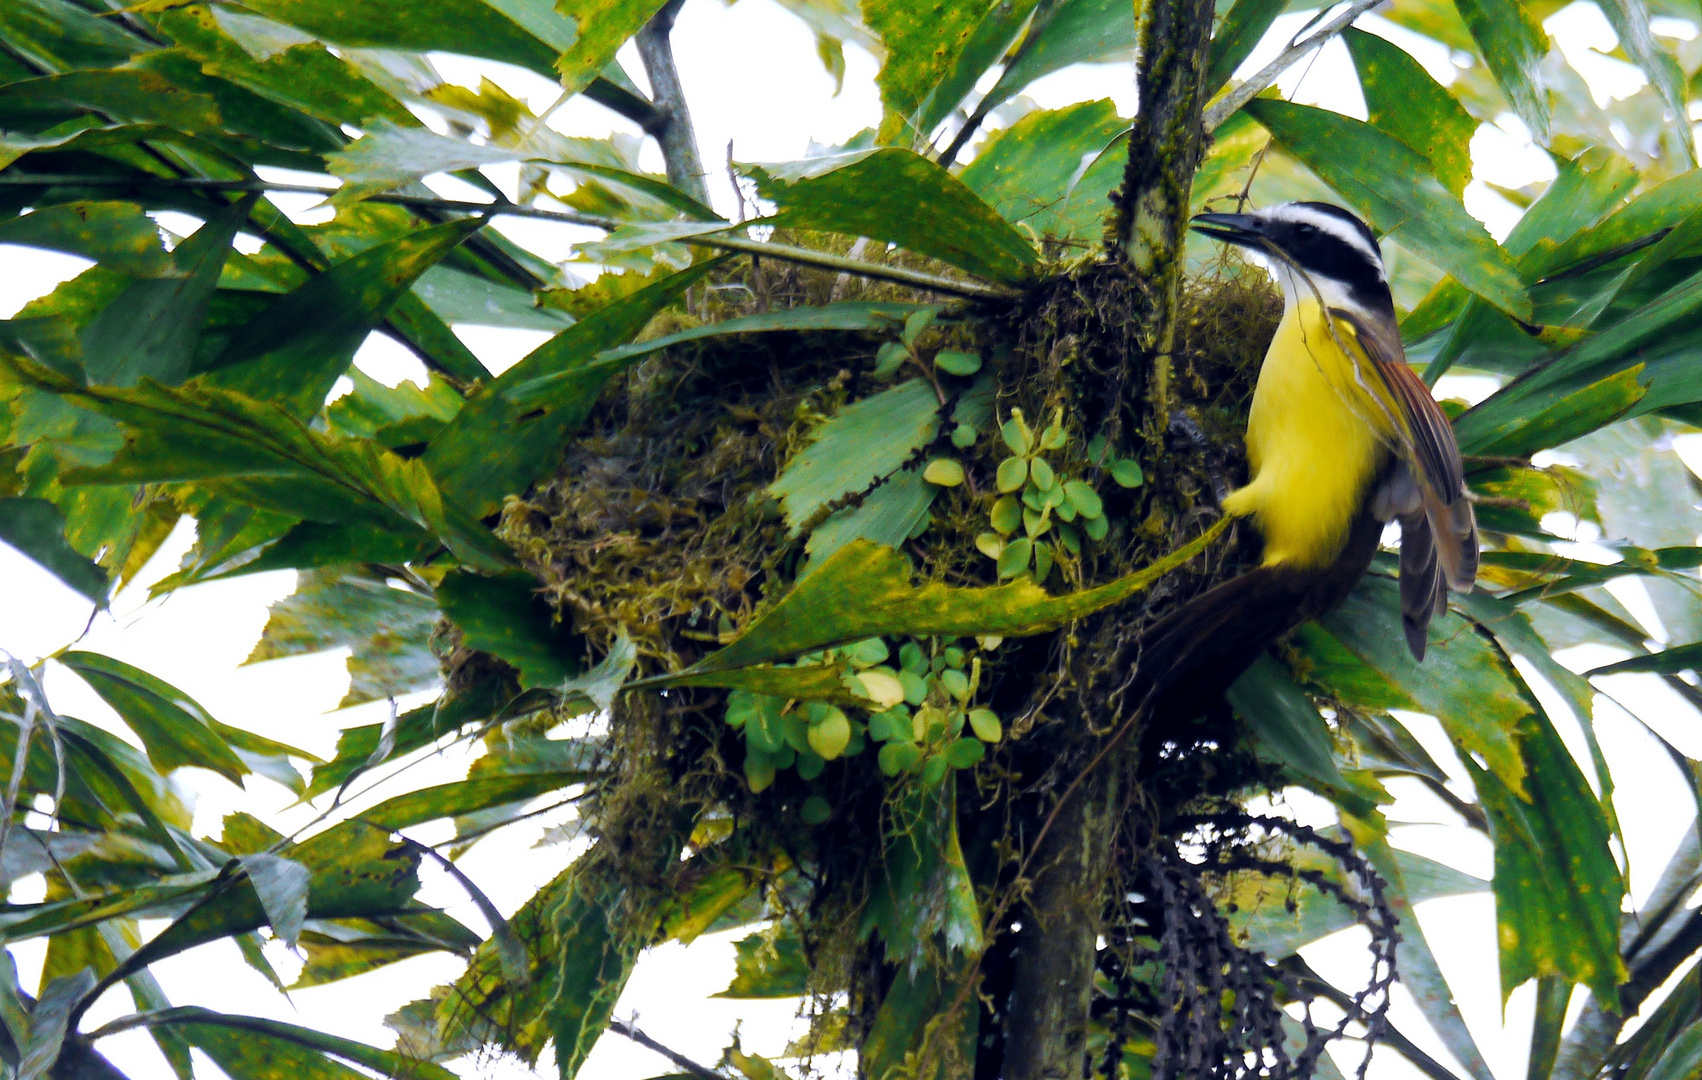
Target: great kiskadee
pixel 1342 438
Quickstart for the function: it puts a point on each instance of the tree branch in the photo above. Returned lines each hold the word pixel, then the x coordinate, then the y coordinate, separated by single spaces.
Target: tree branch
pixel 672 130
pixel 968 290
pixel 621 1027
pixel 1231 103
pixel 1150 212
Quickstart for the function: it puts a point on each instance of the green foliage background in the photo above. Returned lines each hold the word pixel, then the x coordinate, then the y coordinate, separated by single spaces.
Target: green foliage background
pixel 192 381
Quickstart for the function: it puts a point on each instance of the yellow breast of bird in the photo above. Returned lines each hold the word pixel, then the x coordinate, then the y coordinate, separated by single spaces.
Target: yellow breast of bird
pixel 1321 428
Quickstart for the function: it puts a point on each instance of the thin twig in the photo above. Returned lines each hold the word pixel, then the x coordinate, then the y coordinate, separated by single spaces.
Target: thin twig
pixel 782 252
pixel 1231 102
pixel 622 1027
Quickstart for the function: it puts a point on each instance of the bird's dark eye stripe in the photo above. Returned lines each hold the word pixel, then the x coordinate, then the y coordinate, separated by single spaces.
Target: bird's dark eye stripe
pixel 1326 255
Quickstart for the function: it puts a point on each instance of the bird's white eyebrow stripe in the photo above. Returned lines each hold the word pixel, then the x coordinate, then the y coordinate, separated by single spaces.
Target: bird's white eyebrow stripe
pixel 1329 223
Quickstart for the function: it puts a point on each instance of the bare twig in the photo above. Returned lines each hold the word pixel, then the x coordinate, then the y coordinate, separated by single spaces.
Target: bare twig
pixel 622 1027
pixel 1231 102
pixel 782 252
pixel 672 130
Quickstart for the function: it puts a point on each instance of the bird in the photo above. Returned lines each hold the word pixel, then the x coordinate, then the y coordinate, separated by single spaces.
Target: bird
pixel 1342 437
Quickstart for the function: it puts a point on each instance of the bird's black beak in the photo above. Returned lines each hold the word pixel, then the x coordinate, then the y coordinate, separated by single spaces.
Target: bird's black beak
pixel 1242 230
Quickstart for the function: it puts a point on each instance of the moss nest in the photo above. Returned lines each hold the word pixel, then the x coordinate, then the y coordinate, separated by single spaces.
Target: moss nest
pixel 658 523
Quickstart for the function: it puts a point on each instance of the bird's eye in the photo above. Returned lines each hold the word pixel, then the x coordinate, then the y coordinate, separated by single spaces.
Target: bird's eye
pixel 1306 230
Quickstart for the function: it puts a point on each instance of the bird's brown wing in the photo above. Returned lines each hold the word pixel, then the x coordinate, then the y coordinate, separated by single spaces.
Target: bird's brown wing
pixel 1439 537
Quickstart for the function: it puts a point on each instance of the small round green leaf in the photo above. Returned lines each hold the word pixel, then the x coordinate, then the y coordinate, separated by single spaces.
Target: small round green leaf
pixel 892 724
pixel 1068 536
pixel 1041 470
pixel 943 471
pixel 1017 434
pixel 1007 513
pixel 810 764
pixel 935 771
pixel 1127 473
pixel 1042 562
pixel 966 753
pixel 1034 524
pixel 985 724
pixel 1082 496
pixel 890 358
pixel 915 686
pixel 898 757
pixel 963 436
pixel 990 544
pixel 828 738
pixel 912 658
pixel 815 810
pixel 1013 473
pixel 1015 558
pixel 955 683
pixel 1094 527
pixel 953 362
pixel 955 656
pixel 918 322
pixel 1054 438
pixel 759 769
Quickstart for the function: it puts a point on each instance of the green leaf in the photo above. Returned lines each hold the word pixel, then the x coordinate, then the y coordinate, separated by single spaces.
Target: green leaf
pixel 1514 44
pixel 257 454
pixel 281 884
pixel 922 49
pixel 36 527
pixel 280 64
pixel 496 446
pixel 957 363
pixel 843 315
pixel 769 965
pixel 1557 887
pixel 899 197
pixel 354 871
pixel 602 27
pixel 150 330
pixel 1404 101
pixel 252 1048
pixel 386 630
pixel 115 234
pixel 1464 681
pixel 1065 33
pixel 1543 413
pixel 505 616
pixel 1288 729
pixel 1029 172
pixel 889 515
pixel 596 688
pixel 1392 185
pixel 1673 661
pixel 1681 1058
pixel 48 1024
pixel 463 797
pixel 1237 36
pixel 868 441
pixel 528 35
pixel 295 350
pixel 864 591
pixel 174 729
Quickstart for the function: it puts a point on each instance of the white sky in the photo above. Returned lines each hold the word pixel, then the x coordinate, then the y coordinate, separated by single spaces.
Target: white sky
pixel 753 80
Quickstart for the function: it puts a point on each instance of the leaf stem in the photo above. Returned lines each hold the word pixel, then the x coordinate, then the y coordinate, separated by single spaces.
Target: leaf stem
pixel 968 290
pixel 1231 102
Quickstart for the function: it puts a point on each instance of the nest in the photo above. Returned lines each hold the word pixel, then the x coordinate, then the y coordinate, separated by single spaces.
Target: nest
pixel 658 524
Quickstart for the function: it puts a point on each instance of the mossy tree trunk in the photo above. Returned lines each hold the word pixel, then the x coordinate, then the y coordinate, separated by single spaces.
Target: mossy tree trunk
pixel 1046 1020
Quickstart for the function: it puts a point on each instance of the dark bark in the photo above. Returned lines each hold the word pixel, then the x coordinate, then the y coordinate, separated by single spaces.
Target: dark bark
pixel 1046 1023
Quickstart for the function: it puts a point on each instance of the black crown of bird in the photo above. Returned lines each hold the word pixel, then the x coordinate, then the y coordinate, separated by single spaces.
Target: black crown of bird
pixel 1343 437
